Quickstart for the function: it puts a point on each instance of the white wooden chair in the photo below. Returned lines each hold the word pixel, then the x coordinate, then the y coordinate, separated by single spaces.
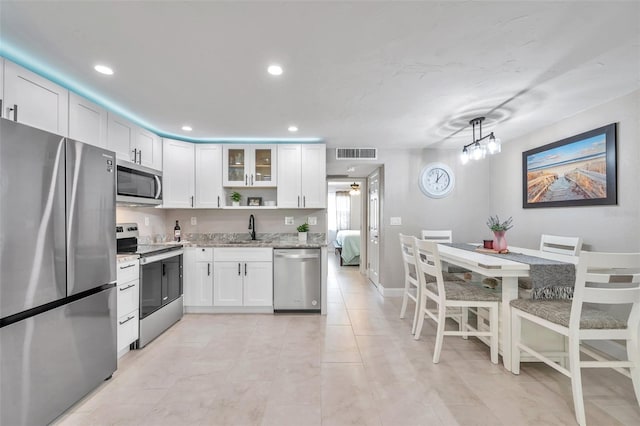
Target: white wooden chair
pixel 451 294
pixel 602 278
pixel 411 284
pixel 569 246
pixel 439 236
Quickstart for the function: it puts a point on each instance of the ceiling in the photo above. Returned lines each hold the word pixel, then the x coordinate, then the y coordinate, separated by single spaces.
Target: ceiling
pixel 367 74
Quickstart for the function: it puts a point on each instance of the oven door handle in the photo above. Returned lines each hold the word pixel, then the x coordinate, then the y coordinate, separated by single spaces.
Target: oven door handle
pixel 161 256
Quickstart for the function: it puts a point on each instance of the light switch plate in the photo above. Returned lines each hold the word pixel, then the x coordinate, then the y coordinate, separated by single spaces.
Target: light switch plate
pixel 288 220
pixel 312 220
pixel 146 221
pixel 194 220
pixel 395 221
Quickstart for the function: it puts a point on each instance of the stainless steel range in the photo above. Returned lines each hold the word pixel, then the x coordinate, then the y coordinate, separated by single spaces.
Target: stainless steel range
pixel 161 303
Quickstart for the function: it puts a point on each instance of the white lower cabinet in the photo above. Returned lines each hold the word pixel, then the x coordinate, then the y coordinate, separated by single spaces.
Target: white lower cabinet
pixel 198 277
pixel 128 289
pixel 243 277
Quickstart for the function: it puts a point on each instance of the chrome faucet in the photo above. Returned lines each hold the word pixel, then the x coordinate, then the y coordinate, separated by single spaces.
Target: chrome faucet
pixel 252 227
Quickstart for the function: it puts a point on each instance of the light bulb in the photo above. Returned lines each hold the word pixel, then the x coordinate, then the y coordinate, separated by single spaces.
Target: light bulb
pixel 464 157
pixel 494 145
pixel 476 151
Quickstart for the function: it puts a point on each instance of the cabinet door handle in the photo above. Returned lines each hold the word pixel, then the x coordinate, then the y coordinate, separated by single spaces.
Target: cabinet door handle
pixel 1 110
pixel 246 179
pixel 15 112
pixel 127 287
pixel 245 269
pixel 218 201
pixel 238 269
pixel 139 156
pixel 192 197
pixel 164 270
pixel 135 155
pixel 298 201
pixel 128 266
pixel 304 201
pixel 127 320
pixel 251 179
pixel 208 269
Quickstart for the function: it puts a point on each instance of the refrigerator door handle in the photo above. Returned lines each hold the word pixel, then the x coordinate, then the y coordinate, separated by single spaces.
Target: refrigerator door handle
pixel 15 112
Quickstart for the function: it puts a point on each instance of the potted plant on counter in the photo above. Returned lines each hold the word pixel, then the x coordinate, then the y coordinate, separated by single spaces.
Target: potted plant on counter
pixel 235 198
pixel 302 232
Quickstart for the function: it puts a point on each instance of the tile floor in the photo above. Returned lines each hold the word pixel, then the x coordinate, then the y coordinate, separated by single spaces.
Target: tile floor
pixel 357 366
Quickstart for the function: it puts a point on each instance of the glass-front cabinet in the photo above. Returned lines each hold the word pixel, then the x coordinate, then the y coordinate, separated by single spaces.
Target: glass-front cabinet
pixel 249 165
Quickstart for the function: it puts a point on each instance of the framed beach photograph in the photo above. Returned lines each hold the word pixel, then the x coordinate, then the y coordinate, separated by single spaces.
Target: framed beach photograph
pixel 576 171
pixel 254 201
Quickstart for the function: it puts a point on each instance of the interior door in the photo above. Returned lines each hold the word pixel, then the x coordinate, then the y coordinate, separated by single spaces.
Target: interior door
pixel 373 243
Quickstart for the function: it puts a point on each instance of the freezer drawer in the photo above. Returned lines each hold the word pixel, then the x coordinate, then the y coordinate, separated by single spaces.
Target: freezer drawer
pixel 296 280
pixel 51 360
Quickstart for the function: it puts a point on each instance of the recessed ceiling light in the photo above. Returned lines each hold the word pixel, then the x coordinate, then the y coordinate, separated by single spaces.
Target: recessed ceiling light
pixel 187 128
pixel 103 69
pixel 293 129
pixel 274 70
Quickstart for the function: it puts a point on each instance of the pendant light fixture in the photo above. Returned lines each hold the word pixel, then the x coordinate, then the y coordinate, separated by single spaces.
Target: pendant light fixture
pixel 477 150
pixel 355 189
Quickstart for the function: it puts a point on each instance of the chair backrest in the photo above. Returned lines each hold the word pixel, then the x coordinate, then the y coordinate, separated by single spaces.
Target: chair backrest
pixel 439 236
pixel 408 258
pixel 610 279
pixel 428 262
pixel 570 246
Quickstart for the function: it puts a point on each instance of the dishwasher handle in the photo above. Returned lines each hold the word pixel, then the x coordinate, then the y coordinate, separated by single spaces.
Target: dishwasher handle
pixel 296 256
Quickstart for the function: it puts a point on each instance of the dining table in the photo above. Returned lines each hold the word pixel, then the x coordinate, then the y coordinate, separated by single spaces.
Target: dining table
pixel 507 270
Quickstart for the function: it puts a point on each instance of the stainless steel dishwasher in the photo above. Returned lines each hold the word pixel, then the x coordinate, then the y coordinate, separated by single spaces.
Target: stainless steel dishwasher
pixel 296 280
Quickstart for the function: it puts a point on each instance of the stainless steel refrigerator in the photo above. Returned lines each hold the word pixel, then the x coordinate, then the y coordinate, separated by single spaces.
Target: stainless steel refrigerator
pixel 57 272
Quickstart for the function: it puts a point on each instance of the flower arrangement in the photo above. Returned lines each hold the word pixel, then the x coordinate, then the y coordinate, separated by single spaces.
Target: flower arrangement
pixel 495 225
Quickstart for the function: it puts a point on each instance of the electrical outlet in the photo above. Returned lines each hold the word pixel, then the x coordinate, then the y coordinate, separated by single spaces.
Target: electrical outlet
pixel 194 220
pixel 288 220
pixel 312 220
pixel 395 221
pixel 146 221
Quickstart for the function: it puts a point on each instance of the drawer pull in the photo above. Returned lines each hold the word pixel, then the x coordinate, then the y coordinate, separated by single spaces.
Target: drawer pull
pixel 127 287
pixel 128 266
pixel 127 320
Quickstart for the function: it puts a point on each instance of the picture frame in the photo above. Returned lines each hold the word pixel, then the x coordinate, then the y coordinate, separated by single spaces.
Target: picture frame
pixel 254 201
pixel 577 171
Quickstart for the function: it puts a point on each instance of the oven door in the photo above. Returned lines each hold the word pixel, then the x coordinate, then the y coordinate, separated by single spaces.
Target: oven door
pixel 137 184
pixel 160 281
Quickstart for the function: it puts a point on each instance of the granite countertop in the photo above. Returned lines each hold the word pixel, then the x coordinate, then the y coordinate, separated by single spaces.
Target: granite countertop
pixel 275 240
pixel 121 258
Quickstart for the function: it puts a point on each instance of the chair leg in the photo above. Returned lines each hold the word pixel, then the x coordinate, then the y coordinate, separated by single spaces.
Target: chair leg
pixel 464 320
pixel 405 298
pixel 417 311
pixel 576 380
pixel 442 316
pixel 494 327
pixel 422 306
pixel 633 353
pixel 516 324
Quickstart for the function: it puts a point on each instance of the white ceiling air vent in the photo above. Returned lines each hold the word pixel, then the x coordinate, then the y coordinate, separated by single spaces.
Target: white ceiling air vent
pixel 356 154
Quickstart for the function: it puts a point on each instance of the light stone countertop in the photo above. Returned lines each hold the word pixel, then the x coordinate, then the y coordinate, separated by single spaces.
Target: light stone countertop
pixel 266 240
pixel 121 258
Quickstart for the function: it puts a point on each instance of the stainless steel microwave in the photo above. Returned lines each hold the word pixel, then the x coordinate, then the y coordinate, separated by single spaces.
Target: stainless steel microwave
pixel 138 185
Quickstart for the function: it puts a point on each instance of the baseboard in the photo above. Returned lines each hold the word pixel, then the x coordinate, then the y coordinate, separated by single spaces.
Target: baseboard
pixel 391 291
pixel 228 310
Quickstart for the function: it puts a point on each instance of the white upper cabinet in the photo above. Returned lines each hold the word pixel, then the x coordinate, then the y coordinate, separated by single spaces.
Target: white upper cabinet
pixel 302 176
pixel 178 174
pixel 147 146
pixel 208 170
pixel 87 121
pixel 133 143
pixel 249 165
pixel 34 100
pixel 120 137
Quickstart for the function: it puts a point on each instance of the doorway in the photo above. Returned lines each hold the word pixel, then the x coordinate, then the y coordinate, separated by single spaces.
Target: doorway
pixel 345 221
pixel 373 227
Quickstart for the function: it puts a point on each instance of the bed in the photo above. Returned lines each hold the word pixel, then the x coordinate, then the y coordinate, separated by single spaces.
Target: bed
pixel 348 245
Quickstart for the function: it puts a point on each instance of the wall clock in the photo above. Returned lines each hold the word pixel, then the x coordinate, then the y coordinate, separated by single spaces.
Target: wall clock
pixel 436 180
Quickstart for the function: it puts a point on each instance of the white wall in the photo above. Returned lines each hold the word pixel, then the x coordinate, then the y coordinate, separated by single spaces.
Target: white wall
pixel 603 228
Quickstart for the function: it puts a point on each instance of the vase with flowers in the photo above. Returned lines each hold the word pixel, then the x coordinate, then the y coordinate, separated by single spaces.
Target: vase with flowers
pixel 499 229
